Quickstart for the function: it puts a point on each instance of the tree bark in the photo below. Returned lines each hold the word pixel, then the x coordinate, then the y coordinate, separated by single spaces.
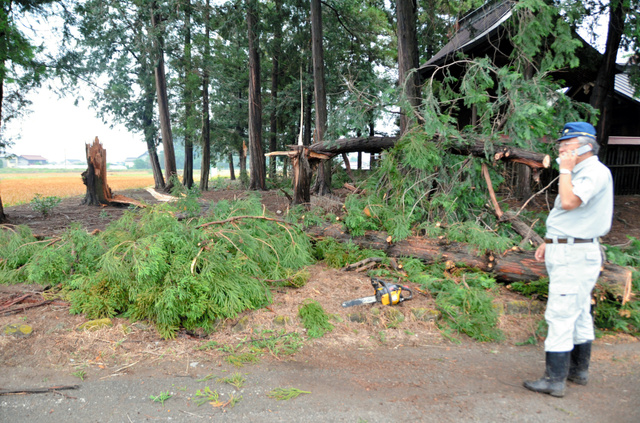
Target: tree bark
pixel 408 60
pixel 604 84
pixel 163 100
pixel 257 164
pixel 323 178
pixel 509 266
pixel 206 129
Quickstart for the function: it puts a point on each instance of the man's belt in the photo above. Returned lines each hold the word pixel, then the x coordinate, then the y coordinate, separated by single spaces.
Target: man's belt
pixel 570 240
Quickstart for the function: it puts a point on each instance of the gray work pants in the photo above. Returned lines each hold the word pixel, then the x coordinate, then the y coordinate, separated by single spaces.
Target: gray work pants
pixel 573 271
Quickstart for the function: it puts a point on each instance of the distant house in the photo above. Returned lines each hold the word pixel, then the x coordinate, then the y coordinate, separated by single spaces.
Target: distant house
pixel 129 162
pixel 30 160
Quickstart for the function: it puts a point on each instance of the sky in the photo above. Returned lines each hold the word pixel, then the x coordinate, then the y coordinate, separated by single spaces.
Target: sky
pixel 56 129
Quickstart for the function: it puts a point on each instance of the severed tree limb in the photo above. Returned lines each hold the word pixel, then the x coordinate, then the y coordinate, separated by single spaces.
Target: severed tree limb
pixel 361 263
pixel 492 194
pixel 525 231
pixel 18 309
pixel 39 390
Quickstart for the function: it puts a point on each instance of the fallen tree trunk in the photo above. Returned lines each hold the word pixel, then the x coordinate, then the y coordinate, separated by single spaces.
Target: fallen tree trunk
pixel 510 266
pixel 326 150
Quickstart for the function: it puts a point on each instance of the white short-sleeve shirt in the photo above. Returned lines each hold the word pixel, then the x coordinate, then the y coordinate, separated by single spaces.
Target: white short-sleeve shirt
pixel 592 182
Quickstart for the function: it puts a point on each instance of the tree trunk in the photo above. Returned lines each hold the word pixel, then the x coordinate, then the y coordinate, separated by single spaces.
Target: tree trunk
pixel 206 129
pixel 150 133
pixel 351 145
pixel 187 175
pixel 163 100
pixel 323 179
pixel 523 184
pixel 95 177
pixel 408 60
pixel 257 164
pixel 3 217
pixel 604 84
pixel 275 75
pixel 232 172
pixel 242 163
pixel 510 266
pixel 2 62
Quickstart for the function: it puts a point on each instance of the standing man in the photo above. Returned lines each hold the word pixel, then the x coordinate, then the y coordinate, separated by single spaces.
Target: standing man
pixel 581 214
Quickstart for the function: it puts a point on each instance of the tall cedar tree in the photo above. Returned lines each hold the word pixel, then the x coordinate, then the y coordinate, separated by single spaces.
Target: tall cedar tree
pixel 257 164
pixel 323 180
pixel 163 99
pixel 189 100
pixel 206 129
pixel 408 61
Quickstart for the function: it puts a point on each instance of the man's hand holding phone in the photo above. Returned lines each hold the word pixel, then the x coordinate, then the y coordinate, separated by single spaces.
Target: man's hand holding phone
pixel 567 159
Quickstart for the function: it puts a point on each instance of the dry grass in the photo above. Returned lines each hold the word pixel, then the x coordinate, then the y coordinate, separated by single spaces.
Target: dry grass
pixel 20 188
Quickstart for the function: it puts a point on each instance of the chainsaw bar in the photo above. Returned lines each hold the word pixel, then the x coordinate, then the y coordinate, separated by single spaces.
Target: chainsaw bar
pixel 359 301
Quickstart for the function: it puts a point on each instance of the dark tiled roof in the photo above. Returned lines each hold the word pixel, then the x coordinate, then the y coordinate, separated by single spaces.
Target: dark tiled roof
pixel 623 87
pixel 474 28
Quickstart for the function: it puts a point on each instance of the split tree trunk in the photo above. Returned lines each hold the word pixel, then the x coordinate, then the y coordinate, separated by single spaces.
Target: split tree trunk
pixel 301 175
pixel 95 177
pixel 509 266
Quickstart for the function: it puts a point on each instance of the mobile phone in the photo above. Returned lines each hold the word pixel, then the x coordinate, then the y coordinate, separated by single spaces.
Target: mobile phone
pixel 579 151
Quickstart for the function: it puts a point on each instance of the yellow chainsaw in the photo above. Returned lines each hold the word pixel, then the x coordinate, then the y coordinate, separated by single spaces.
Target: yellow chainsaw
pixel 385 293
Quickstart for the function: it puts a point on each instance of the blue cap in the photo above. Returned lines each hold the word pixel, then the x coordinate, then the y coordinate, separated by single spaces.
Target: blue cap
pixel 577 129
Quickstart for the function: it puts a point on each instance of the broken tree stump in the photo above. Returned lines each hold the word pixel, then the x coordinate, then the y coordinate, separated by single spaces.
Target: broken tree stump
pixel 95 178
pixel 511 266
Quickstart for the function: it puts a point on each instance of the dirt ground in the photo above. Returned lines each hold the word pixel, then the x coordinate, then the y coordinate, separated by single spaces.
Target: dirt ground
pixel 374 366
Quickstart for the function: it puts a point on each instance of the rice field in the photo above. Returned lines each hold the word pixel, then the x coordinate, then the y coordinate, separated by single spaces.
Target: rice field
pixel 20 188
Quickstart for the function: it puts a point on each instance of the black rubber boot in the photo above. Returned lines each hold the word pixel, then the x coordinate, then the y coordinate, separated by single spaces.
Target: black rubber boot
pixel 554 380
pixel 579 368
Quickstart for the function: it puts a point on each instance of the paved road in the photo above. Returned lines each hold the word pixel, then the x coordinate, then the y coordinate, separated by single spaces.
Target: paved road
pixel 467 383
